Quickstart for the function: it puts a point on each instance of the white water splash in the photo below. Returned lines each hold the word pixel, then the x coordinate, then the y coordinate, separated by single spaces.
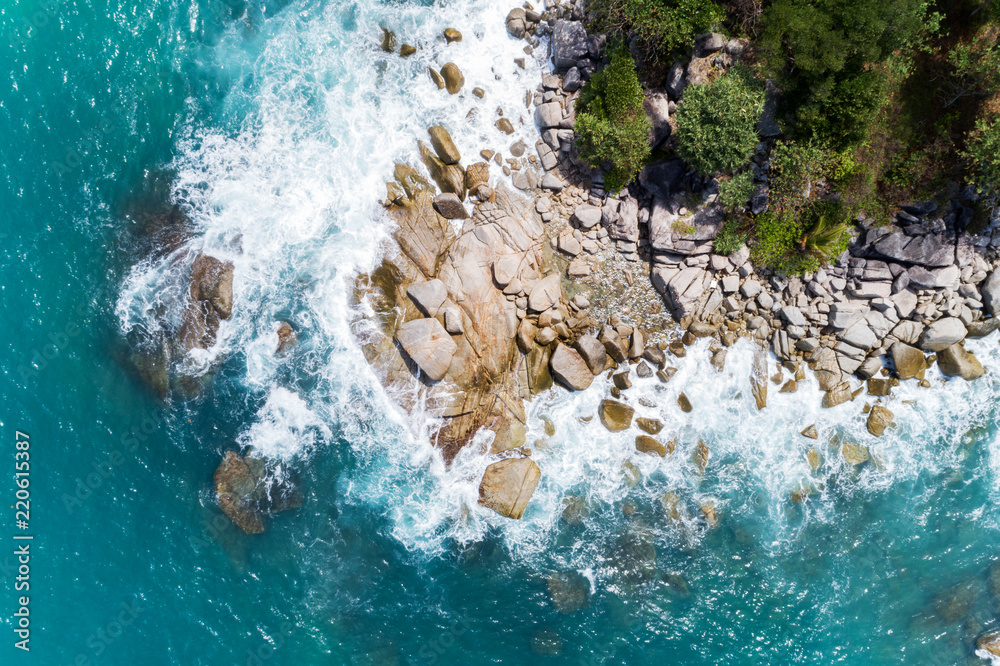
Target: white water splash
pixel 295 187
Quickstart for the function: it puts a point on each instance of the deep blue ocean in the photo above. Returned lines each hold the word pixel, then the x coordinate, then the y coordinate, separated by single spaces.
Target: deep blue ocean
pixel 273 127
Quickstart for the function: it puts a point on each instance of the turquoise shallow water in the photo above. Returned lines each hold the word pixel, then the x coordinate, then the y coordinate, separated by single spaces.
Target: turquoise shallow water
pixel 277 123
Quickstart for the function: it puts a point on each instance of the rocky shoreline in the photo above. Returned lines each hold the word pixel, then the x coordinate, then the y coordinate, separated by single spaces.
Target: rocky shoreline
pixel 557 281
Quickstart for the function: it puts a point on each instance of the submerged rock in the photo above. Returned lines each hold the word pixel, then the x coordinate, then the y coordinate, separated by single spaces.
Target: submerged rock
pixel 700 457
pixel 248 488
pixel 507 486
pixel 286 338
pixel 651 426
pixel 568 591
pixel 854 453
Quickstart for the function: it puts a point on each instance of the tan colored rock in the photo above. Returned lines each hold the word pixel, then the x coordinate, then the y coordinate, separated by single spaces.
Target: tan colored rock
pixel 955 361
pixel 684 402
pixel 212 281
pixel 453 77
pixel 411 181
pixel 879 419
pixel 451 35
pixel 436 78
pixel 569 368
pixel 810 432
pixel 449 177
pixel 286 338
pixel 854 453
pixel 758 379
pixel 592 352
pixel 646 444
pixel 443 145
pixel 545 293
pixel 616 416
pixel 508 485
pixel 908 361
pixel 879 386
pixel 700 457
pixel 814 459
pixel 478 173
pixel 990 644
pixel 838 395
pixel 652 426
pixel 429 346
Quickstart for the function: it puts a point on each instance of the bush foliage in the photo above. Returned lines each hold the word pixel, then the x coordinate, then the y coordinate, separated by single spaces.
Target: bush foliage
pixel 613 128
pixel 717 122
pixel 982 151
pixel 660 25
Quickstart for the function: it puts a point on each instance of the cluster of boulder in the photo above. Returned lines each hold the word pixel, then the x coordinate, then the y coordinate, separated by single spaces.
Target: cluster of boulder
pixel 471 322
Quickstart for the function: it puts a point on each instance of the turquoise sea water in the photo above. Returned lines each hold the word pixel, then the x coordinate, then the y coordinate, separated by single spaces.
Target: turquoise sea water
pixel 274 127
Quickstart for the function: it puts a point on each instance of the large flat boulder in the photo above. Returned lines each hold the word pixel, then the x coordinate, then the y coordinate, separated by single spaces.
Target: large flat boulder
pixel 429 296
pixel 593 353
pixel 507 486
pixel 545 293
pixel 429 346
pixel 932 250
pixel 569 368
pixel 908 361
pixel 569 43
pixel 955 361
pixel 616 416
pixel 942 334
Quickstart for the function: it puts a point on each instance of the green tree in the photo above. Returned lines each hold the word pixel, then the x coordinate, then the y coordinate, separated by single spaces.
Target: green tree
pixel 828 56
pixel 717 122
pixel 612 126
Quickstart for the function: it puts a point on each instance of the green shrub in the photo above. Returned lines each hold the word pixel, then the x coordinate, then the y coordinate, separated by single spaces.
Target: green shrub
pixel 735 192
pixel 982 152
pixel 798 243
pixel 717 122
pixel 831 58
pixel 660 25
pixel 613 128
pixel 729 240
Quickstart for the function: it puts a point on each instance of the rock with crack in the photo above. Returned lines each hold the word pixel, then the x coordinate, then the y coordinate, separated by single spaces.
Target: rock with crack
pixel 429 345
pixel 507 486
pixel 570 369
pixel 955 361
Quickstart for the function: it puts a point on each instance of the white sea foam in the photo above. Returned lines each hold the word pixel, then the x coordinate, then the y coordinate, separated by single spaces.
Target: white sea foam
pixel 295 187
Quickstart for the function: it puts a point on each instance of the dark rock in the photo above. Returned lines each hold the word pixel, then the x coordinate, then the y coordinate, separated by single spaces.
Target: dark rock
pixel 249 488
pixel 450 207
pixel 569 43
